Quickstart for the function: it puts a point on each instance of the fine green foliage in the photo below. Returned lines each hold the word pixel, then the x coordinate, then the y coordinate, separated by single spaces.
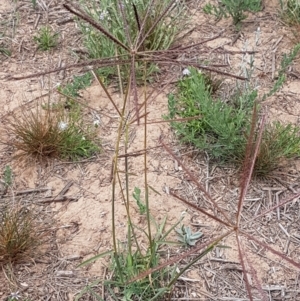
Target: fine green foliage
pixel 284 64
pixel 234 8
pixel 7 176
pixel 18 235
pixel 137 196
pixel 41 134
pixel 78 83
pixel 4 50
pixel 34 4
pixel 134 263
pixel 279 142
pixel 46 38
pixel 290 11
pixel 222 129
pixel 108 13
pixel 217 128
pixel 187 237
pixel 129 262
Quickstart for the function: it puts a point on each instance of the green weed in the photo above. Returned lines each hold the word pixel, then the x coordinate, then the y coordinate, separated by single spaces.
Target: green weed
pixel 130 261
pixel 7 176
pixel 78 83
pixel 221 129
pixel 137 196
pixel 217 128
pixel 46 38
pixel 34 4
pixel 234 8
pixel 284 64
pixel 187 237
pixel 4 50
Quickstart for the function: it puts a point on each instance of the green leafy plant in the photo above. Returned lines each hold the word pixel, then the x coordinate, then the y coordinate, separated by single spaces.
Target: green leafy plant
pixel 130 261
pixel 46 38
pixel 134 263
pixel 41 134
pixel 216 127
pixel 284 64
pixel 78 83
pixel 187 237
pixel 18 234
pixel 137 196
pixel 234 8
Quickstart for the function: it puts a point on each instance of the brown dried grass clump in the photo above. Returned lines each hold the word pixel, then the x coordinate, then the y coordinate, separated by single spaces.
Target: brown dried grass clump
pixel 18 234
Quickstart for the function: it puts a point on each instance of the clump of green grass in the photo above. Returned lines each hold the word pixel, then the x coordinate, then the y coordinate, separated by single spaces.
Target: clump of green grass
pixel 18 234
pixel 279 142
pixel 46 39
pixel 44 134
pixel 132 259
pixel 108 13
pixel 132 265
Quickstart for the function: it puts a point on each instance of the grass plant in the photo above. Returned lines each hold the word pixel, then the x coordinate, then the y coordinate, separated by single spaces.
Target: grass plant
pixel 46 39
pixel 138 21
pixel 279 142
pixel 18 234
pixel 290 11
pixel 41 134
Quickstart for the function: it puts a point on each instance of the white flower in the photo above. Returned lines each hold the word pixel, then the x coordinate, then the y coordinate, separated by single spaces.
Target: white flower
pixel 96 123
pixel 62 125
pixel 186 72
pixel 103 15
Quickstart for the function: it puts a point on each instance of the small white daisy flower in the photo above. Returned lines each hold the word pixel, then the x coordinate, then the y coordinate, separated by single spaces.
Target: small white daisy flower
pixel 186 72
pixel 62 125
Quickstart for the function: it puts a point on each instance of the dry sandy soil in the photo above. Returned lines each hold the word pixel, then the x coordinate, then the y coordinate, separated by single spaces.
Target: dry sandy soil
pixel 79 227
